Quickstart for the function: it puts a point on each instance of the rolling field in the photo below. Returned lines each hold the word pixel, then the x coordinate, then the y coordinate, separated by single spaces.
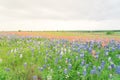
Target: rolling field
pixel 59 56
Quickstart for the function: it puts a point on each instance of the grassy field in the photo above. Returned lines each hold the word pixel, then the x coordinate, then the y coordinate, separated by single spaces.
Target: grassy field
pixel 23 57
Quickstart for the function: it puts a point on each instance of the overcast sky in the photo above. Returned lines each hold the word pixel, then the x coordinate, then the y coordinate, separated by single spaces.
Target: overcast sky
pixel 59 14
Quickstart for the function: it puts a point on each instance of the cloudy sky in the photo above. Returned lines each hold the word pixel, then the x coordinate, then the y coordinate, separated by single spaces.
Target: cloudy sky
pixel 59 15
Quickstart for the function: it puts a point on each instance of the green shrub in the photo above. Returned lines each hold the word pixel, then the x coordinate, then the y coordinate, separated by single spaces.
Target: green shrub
pixel 3 74
pixel 109 33
pixel 19 30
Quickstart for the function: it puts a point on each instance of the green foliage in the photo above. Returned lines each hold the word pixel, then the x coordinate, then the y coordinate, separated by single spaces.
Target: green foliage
pixel 34 52
pixel 3 74
pixel 19 30
pixel 109 33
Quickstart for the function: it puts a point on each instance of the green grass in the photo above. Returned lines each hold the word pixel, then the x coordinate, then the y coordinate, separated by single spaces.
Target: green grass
pixel 34 52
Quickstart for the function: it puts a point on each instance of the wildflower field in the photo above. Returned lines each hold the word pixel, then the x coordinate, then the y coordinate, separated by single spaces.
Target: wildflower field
pixel 59 56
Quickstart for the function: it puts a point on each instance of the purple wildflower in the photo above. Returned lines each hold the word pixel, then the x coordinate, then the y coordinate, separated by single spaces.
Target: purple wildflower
pixel 96 56
pixel 84 72
pixel 99 68
pixel 35 78
pixel 109 67
pixel 93 71
pixel 7 69
pixel 112 65
pixel 56 60
pixel 76 58
pixel 69 66
pixel 66 60
pixel 65 71
pixel 83 62
pixel 118 69
pixel 40 68
pixel 82 55
pixel 106 53
pixel 25 64
pixel 102 64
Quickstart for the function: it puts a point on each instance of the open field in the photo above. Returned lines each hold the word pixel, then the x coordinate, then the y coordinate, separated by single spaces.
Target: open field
pixel 68 35
pixel 59 56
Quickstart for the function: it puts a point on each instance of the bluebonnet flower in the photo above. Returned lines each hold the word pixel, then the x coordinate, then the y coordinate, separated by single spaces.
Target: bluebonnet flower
pixel 7 69
pixel 48 65
pixel 93 71
pixel 90 49
pixel 40 68
pixel 94 67
pixel 83 62
pixel 45 60
pixel 97 53
pixel 96 56
pixel 82 55
pixel 25 64
pixel 65 71
pixel 60 56
pixel 35 78
pixel 86 65
pixel 112 65
pixel 69 66
pixel 69 60
pixel 102 64
pixel 118 56
pixel 106 53
pixel 113 49
pixel 56 60
pixel 109 67
pixel 99 68
pixel 66 60
pixel 15 55
pixel 118 69
pixel 44 66
pixel 84 72
pixel 76 58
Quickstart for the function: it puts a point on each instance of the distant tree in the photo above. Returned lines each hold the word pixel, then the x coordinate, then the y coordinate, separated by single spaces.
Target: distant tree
pixel 109 32
pixel 19 30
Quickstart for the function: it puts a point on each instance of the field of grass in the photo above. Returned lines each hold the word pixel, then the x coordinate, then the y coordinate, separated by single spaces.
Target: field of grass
pixel 36 58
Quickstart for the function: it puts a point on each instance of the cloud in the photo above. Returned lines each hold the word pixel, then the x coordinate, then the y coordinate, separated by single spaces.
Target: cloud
pixel 65 9
pixel 65 12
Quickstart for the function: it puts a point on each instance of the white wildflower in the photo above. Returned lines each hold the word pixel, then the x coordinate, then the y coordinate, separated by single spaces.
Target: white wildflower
pixel 67 76
pixel 0 60
pixel 49 77
pixel 21 55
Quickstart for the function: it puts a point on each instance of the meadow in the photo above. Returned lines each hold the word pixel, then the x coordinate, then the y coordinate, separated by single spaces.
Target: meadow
pixel 59 56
